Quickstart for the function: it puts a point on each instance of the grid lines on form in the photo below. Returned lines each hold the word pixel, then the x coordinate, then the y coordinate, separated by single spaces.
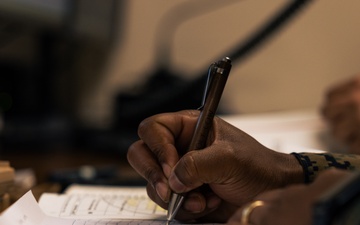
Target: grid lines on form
pixel 125 206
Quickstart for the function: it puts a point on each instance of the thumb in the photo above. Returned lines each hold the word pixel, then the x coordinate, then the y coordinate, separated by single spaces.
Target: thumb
pixel 196 168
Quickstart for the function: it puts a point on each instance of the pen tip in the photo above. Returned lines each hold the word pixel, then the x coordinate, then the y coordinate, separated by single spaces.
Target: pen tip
pixel 170 215
pixel 175 203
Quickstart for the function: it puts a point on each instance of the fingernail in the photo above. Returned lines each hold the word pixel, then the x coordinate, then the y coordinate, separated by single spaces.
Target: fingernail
pixel 167 170
pixel 176 185
pixel 213 202
pixel 193 204
pixel 163 191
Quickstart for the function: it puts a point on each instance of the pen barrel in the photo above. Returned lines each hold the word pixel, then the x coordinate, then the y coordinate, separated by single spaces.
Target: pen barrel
pixel 208 112
pixel 216 83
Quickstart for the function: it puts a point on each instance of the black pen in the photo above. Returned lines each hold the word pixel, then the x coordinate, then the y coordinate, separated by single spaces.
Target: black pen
pixel 217 77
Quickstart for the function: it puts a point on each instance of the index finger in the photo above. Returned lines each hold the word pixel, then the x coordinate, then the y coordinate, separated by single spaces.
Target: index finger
pixel 167 135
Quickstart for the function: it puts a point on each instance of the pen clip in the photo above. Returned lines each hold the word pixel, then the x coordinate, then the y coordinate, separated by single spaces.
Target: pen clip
pixel 209 78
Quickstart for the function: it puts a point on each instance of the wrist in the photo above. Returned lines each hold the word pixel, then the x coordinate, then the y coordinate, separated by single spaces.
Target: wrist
pixel 291 170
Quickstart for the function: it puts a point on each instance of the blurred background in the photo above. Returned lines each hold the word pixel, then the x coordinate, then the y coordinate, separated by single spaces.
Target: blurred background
pixel 77 76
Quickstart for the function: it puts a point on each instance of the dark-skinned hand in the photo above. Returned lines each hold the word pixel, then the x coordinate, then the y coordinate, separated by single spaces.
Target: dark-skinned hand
pixel 232 170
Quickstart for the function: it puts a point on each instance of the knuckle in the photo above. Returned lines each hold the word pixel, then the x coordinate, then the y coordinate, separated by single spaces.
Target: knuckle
pixel 152 175
pixel 132 150
pixel 150 123
pixel 144 126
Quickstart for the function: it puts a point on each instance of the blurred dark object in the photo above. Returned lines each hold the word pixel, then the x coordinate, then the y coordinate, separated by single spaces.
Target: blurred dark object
pixel 339 205
pixel 87 174
pixel 164 91
pixel 47 49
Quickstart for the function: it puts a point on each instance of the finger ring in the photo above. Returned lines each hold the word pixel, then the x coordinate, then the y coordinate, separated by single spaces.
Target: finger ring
pixel 248 209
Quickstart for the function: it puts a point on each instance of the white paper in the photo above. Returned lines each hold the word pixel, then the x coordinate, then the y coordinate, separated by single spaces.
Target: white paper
pixel 86 201
pixel 26 211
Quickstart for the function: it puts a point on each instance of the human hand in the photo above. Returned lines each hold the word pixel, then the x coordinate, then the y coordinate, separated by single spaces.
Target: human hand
pixel 341 109
pixel 289 205
pixel 231 170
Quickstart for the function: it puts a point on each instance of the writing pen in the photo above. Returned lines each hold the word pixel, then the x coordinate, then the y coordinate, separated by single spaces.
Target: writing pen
pixel 217 77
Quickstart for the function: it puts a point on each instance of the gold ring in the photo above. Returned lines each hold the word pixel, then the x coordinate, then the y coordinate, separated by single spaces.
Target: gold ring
pixel 248 209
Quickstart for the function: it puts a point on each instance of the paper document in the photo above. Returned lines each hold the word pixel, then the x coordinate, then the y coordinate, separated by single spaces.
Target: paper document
pixel 86 201
pixel 70 208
